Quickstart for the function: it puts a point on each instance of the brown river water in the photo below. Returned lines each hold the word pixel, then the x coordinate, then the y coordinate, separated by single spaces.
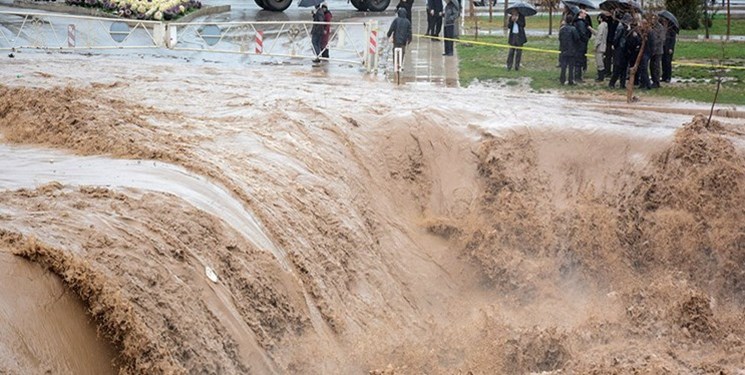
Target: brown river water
pixel 163 217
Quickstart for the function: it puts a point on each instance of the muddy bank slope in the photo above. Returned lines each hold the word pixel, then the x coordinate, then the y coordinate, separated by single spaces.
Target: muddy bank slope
pixel 459 239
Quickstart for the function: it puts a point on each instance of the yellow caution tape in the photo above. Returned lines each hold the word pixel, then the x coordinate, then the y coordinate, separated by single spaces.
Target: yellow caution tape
pixel 696 65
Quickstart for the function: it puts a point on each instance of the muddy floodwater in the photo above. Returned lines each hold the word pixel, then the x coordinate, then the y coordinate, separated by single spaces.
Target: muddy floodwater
pixel 164 217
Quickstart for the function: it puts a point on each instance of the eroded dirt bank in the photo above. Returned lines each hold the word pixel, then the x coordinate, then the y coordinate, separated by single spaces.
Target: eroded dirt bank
pixel 471 237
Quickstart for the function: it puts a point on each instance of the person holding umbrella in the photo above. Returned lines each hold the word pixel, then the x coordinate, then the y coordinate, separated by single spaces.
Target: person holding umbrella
pixel 516 27
pixel 517 38
pixel 671 30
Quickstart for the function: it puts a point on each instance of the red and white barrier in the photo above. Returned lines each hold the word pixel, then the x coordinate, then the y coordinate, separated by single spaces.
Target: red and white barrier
pixel 71 36
pixel 259 42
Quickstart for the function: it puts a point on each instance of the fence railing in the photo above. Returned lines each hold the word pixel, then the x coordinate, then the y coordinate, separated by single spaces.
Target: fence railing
pixel 348 42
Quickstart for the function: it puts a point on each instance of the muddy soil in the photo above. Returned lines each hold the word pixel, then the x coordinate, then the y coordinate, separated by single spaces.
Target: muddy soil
pixel 493 232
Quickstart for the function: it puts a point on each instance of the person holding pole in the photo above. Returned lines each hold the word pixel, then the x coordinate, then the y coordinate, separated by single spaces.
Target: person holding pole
pixel 400 32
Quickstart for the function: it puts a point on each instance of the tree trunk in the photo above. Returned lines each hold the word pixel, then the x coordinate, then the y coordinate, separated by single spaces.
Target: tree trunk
pixel 729 19
pixel 551 16
pixel 506 17
pixel 632 71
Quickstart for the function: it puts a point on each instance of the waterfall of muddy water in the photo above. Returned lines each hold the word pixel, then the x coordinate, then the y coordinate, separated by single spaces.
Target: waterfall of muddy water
pixel 22 167
pixel 43 325
pixel 26 168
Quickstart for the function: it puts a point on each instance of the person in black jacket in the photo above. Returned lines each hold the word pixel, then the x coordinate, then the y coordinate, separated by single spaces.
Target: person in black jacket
pixel 316 33
pixel 608 60
pixel 568 45
pixel 517 38
pixel 434 17
pixel 620 60
pixel 400 31
pixel 668 49
pixel 405 4
pixel 450 14
pixel 584 36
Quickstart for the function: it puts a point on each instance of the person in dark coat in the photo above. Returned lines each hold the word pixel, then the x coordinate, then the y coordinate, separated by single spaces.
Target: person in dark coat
pixel 642 73
pixel 633 47
pixel 668 50
pixel 451 13
pixel 584 37
pixel 327 16
pixel 657 38
pixel 620 61
pixel 568 45
pixel 405 4
pixel 608 60
pixel 434 17
pixel 517 38
pixel 316 33
pixel 400 31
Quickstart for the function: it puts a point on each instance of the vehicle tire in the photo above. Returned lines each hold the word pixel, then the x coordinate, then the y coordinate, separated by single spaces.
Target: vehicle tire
pixel 377 5
pixel 361 5
pixel 260 3
pixel 277 5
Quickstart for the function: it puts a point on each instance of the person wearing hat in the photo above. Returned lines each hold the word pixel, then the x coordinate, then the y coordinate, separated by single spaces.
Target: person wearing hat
pixel 517 38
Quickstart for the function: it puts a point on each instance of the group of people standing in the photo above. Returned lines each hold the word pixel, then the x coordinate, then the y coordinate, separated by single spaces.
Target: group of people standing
pixel 437 17
pixel 618 41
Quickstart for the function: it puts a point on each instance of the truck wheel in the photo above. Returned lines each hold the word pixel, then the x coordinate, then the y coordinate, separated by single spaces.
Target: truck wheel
pixel 377 5
pixel 361 5
pixel 260 3
pixel 277 5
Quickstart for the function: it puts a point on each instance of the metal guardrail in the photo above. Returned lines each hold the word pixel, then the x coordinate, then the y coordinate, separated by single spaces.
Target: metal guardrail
pixel 348 42
pixel 25 30
pixel 276 39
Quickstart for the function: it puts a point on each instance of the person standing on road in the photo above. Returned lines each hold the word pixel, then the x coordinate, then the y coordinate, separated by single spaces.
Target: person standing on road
pixel 400 31
pixel 434 18
pixel 316 33
pixel 451 13
pixel 517 38
pixel 326 30
pixel 405 4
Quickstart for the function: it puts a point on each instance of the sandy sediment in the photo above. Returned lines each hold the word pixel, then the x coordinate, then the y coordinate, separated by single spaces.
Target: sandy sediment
pixel 424 242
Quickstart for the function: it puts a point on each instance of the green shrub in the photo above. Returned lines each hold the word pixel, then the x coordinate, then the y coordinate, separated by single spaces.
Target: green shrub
pixel 688 12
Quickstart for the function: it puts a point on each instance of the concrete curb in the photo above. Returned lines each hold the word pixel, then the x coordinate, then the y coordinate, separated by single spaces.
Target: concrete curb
pixel 61 7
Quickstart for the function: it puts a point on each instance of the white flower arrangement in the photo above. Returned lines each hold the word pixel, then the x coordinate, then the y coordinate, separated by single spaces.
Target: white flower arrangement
pixel 158 10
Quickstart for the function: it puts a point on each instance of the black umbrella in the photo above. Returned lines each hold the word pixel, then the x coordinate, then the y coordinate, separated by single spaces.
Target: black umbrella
pixel 611 5
pixel 670 17
pixel 525 9
pixel 309 3
pixel 587 3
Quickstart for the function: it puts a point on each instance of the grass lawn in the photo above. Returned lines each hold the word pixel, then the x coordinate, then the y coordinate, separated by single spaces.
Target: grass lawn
pixel 484 63
pixel 540 22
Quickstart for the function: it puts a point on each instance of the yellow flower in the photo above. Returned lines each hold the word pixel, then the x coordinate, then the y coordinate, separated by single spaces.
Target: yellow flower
pixel 158 16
